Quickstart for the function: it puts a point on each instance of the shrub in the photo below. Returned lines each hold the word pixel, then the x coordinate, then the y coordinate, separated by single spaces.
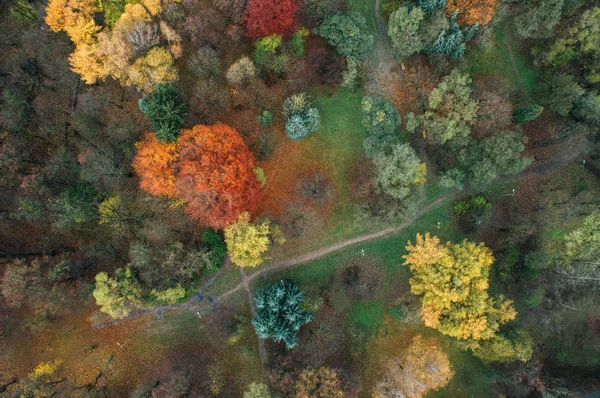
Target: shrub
pixel 265 118
pixel 527 113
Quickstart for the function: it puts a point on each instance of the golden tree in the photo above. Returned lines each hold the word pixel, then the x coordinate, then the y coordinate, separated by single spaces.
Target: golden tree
pixel 422 368
pixel 248 242
pixel 453 280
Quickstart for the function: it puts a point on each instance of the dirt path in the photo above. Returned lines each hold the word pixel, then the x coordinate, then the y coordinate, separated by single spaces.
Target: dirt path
pixel 261 343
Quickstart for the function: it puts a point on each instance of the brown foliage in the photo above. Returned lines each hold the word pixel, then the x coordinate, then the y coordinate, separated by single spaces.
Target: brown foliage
pixel 319 383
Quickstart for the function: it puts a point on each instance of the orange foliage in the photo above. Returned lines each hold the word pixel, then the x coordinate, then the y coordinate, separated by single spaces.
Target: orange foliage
pixel 216 175
pixel 155 162
pixel 471 12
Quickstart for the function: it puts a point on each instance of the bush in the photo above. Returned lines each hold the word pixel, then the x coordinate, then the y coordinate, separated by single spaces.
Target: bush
pixel 397 314
pixel 265 118
pixel 527 113
pixel 461 208
pixel 302 119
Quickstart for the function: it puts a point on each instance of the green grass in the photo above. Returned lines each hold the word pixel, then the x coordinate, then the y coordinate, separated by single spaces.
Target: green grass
pixel 496 61
pixel 367 315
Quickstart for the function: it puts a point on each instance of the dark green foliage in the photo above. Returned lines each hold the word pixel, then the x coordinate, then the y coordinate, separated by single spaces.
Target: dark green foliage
pixel 451 41
pixel 390 6
pixel 297 43
pixel 217 251
pixel 586 108
pixel 278 314
pixel 527 113
pixel 77 205
pixel 535 262
pixel 265 118
pixel 429 6
pixel 537 18
pixel 23 12
pixel 397 314
pixel 347 32
pixel 381 120
pixel 462 207
pixel 534 297
pixel 165 110
pixel 558 92
pixel 112 10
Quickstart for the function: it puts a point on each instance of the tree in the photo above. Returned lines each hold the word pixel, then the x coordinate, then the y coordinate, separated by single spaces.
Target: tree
pixel 579 46
pixel 257 390
pixel 403 30
pixel 347 32
pixel 248 242
pixel 396 172
pixel 165 110
pixel 583 243
pixel 379 116
pixel 451 111
pixel 323 382
pixel 587 107
pixel 205 63
pixel 454 283
pixel 116 295
pixel 278 315
pixel 451 41
pixel 492 156
pixel 527 113
pixel 473 11
pixel 19 282
pixel 302 118
pixel 516 346
pixel 154 68
pixel 430 6
pixel 558 92
pixel 423 368
pixel 155 162
pixel 536 19
pixel 265 17
pixel 215 175
pixel 241 72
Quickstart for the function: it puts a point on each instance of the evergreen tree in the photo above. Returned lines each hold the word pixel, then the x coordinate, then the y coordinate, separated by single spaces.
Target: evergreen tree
pixel 527 113
pixel 451 41
pixel 429 6
pixel 278 314
pixel 165 110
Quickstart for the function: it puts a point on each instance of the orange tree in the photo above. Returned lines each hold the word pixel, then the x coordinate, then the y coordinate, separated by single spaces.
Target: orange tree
pixel 473 11
pixel 155 163
pixel 215 175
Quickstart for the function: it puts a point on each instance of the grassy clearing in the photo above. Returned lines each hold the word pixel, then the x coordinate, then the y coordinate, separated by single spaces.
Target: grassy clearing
pixel 367 9
pixel 496 60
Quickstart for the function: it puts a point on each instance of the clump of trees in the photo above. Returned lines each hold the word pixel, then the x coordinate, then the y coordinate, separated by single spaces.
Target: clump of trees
pixel 210 168
pixel 278 315
pixel 453 280
pixel 382 121
pixel 137 48
pixel 302 118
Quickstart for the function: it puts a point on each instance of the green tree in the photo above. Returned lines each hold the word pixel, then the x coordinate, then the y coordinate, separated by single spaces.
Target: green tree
pixel 587 107
pixel 558 92
pixel 257 390
pixel 536 19
pixel 379 116
pixel 302 118
pixel 403 30
pixel 348 33
pixel 515 346
pixel 396 172
pixel 492 156
pixel 76 205
pixel 451 110
pixel 527 113
pixel 166 112
pixel 278 315
pixel 117 295
pixel 430 6
pixel 451 41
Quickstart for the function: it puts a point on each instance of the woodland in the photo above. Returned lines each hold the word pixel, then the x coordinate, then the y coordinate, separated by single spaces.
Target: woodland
pixel 299 198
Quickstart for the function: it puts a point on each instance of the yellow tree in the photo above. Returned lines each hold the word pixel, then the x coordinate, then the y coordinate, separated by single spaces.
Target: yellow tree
pixel 116 295
pixel 422 368
pixel 248 242
pixel 453 280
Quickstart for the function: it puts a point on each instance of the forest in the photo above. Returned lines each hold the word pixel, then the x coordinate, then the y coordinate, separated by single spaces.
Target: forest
pixel 299 198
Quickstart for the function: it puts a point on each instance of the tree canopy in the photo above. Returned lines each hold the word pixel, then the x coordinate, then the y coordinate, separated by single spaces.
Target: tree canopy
pixel 347 32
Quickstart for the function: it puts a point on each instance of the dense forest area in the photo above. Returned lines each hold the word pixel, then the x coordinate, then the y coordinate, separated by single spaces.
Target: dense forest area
pixel 299 198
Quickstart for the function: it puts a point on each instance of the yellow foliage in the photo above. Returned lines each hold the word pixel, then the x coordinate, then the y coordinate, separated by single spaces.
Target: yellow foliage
pixel 155 67
pixel 421 174
pixel 170 295
pixel 247 242
pixel 86 61
pixel 45 369
pixel 453 280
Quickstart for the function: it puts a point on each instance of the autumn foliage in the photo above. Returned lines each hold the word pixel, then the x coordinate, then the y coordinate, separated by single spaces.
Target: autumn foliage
pixel 155 164
pixel 210 168
pixel 268 17
pixel 471 12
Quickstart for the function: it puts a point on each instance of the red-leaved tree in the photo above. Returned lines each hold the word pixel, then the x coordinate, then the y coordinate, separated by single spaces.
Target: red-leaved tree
pixel 215 175
pixel 269 17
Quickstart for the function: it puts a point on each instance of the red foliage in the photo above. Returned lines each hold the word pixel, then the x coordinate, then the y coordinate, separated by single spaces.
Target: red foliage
pixel 216 175
pixel 268 17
